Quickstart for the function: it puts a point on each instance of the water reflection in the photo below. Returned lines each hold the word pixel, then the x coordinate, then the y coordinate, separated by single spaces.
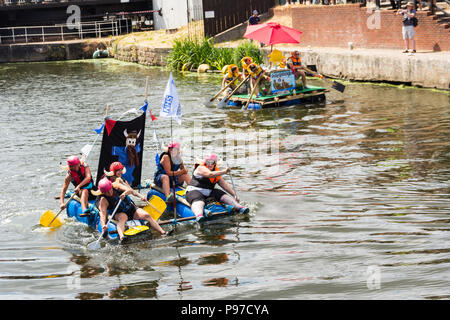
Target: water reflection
pixel 360 181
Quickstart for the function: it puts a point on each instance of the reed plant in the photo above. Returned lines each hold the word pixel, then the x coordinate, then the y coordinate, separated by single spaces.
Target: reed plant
pixel 247 49
pixel 189 53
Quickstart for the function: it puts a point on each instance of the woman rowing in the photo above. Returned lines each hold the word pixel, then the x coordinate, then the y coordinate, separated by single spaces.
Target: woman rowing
pixel 232 76
pixel 256 72
pixel 108 196
pixel 171 170
pixel 80 176
pixel 204 179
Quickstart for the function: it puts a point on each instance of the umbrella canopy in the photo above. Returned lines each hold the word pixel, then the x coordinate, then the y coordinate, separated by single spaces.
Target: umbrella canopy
pixel 271 33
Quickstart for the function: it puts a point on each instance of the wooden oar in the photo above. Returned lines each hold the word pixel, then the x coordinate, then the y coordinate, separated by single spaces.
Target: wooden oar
pixel 222 90
pixel 50 216
pixel 96 245
pixel 175 221
pixel 253 92
pixel 222 103
pixel 177 197
pixel 335 85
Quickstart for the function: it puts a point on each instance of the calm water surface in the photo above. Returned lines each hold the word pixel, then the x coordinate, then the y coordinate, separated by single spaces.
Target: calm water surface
pixel 352 201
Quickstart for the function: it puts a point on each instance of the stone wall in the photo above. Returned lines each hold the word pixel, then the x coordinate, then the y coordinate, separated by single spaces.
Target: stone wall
pixel 427 70
pixel 142 54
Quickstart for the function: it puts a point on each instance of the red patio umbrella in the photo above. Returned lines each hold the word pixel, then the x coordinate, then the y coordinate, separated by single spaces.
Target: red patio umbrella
pixel 272 33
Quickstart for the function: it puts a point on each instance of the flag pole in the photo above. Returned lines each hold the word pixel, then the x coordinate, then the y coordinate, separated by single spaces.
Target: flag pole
pixel 173 177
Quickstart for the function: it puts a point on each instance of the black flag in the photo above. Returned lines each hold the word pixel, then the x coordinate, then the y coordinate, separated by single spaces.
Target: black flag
pixel 123 141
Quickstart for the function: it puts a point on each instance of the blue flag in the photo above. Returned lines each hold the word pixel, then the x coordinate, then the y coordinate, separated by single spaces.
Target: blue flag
pixel 144 107
pixel 99 128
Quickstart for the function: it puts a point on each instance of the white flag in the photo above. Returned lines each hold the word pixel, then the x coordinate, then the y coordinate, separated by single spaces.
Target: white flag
pixel 171 104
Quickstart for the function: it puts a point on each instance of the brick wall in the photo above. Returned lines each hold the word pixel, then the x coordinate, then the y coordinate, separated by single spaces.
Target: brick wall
pixel 335 26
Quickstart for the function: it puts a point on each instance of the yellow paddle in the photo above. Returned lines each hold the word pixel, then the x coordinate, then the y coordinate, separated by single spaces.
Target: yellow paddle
pixel 49 218
pixel 155 207
pixel 135 230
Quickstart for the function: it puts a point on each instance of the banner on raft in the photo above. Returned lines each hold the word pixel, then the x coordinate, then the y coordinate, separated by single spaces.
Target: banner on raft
pixel 123 141
pixel 282 81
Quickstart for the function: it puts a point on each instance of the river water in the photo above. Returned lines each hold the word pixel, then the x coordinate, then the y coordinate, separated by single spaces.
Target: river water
pixel 349 200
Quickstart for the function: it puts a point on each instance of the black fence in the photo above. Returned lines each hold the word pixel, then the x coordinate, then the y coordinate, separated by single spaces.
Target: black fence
pixel 220 15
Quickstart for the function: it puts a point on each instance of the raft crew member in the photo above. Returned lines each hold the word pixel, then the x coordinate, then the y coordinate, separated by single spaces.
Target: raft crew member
pixel 80 175
pixel 245 62
pixel 256 72
pixel 294 63
pixel 108 195
pixel 115 173
pixel 171 168
pixel 232 75
pixel 205 176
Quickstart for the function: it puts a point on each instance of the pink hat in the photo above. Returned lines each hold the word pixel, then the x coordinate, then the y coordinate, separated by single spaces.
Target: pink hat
pixel 174 145
pixel 104 185
pixel 73 160
pixel 211 156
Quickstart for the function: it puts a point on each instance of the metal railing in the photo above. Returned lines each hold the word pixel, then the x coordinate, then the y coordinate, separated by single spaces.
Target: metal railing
pixel 38 2
pixel 62 32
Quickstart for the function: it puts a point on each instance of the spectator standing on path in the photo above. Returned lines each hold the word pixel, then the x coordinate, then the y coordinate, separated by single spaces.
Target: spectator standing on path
pixel 253 20
pixel 408 26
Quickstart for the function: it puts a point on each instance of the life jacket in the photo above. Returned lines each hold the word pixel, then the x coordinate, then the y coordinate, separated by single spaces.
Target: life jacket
pixel 295 62
pixel 113 200
pixel 204 183
pixel 78 176
pixel 255 75
pixel 160 170
pixel 245 65
pixel 232 75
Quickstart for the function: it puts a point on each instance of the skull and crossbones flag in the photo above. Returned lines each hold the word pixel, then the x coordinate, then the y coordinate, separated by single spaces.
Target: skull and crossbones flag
pixel 123 141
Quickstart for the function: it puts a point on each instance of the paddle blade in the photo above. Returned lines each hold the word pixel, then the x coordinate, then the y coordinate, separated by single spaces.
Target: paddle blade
pixel 181 193
pixel 94 245
pixel 338 86
pixel 135 230
pixel 222 104
pixel 47 218
pixel 156 207
pixel 207 102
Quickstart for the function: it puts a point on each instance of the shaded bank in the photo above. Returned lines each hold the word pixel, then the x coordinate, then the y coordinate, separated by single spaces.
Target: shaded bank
pixel 50 51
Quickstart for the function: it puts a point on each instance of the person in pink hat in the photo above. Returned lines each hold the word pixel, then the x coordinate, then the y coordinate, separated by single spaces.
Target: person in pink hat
pixel 80 176
pixel 108 196
pixel 202 186
pixel 171 170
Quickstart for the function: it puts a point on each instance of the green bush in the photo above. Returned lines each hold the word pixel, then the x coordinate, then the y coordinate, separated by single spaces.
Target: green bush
pixel 191 53
pixel 247 49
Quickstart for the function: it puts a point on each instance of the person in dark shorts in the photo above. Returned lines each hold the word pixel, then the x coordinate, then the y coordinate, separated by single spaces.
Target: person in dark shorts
pixel 108 196
pixel 170 170
pixel 202 186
